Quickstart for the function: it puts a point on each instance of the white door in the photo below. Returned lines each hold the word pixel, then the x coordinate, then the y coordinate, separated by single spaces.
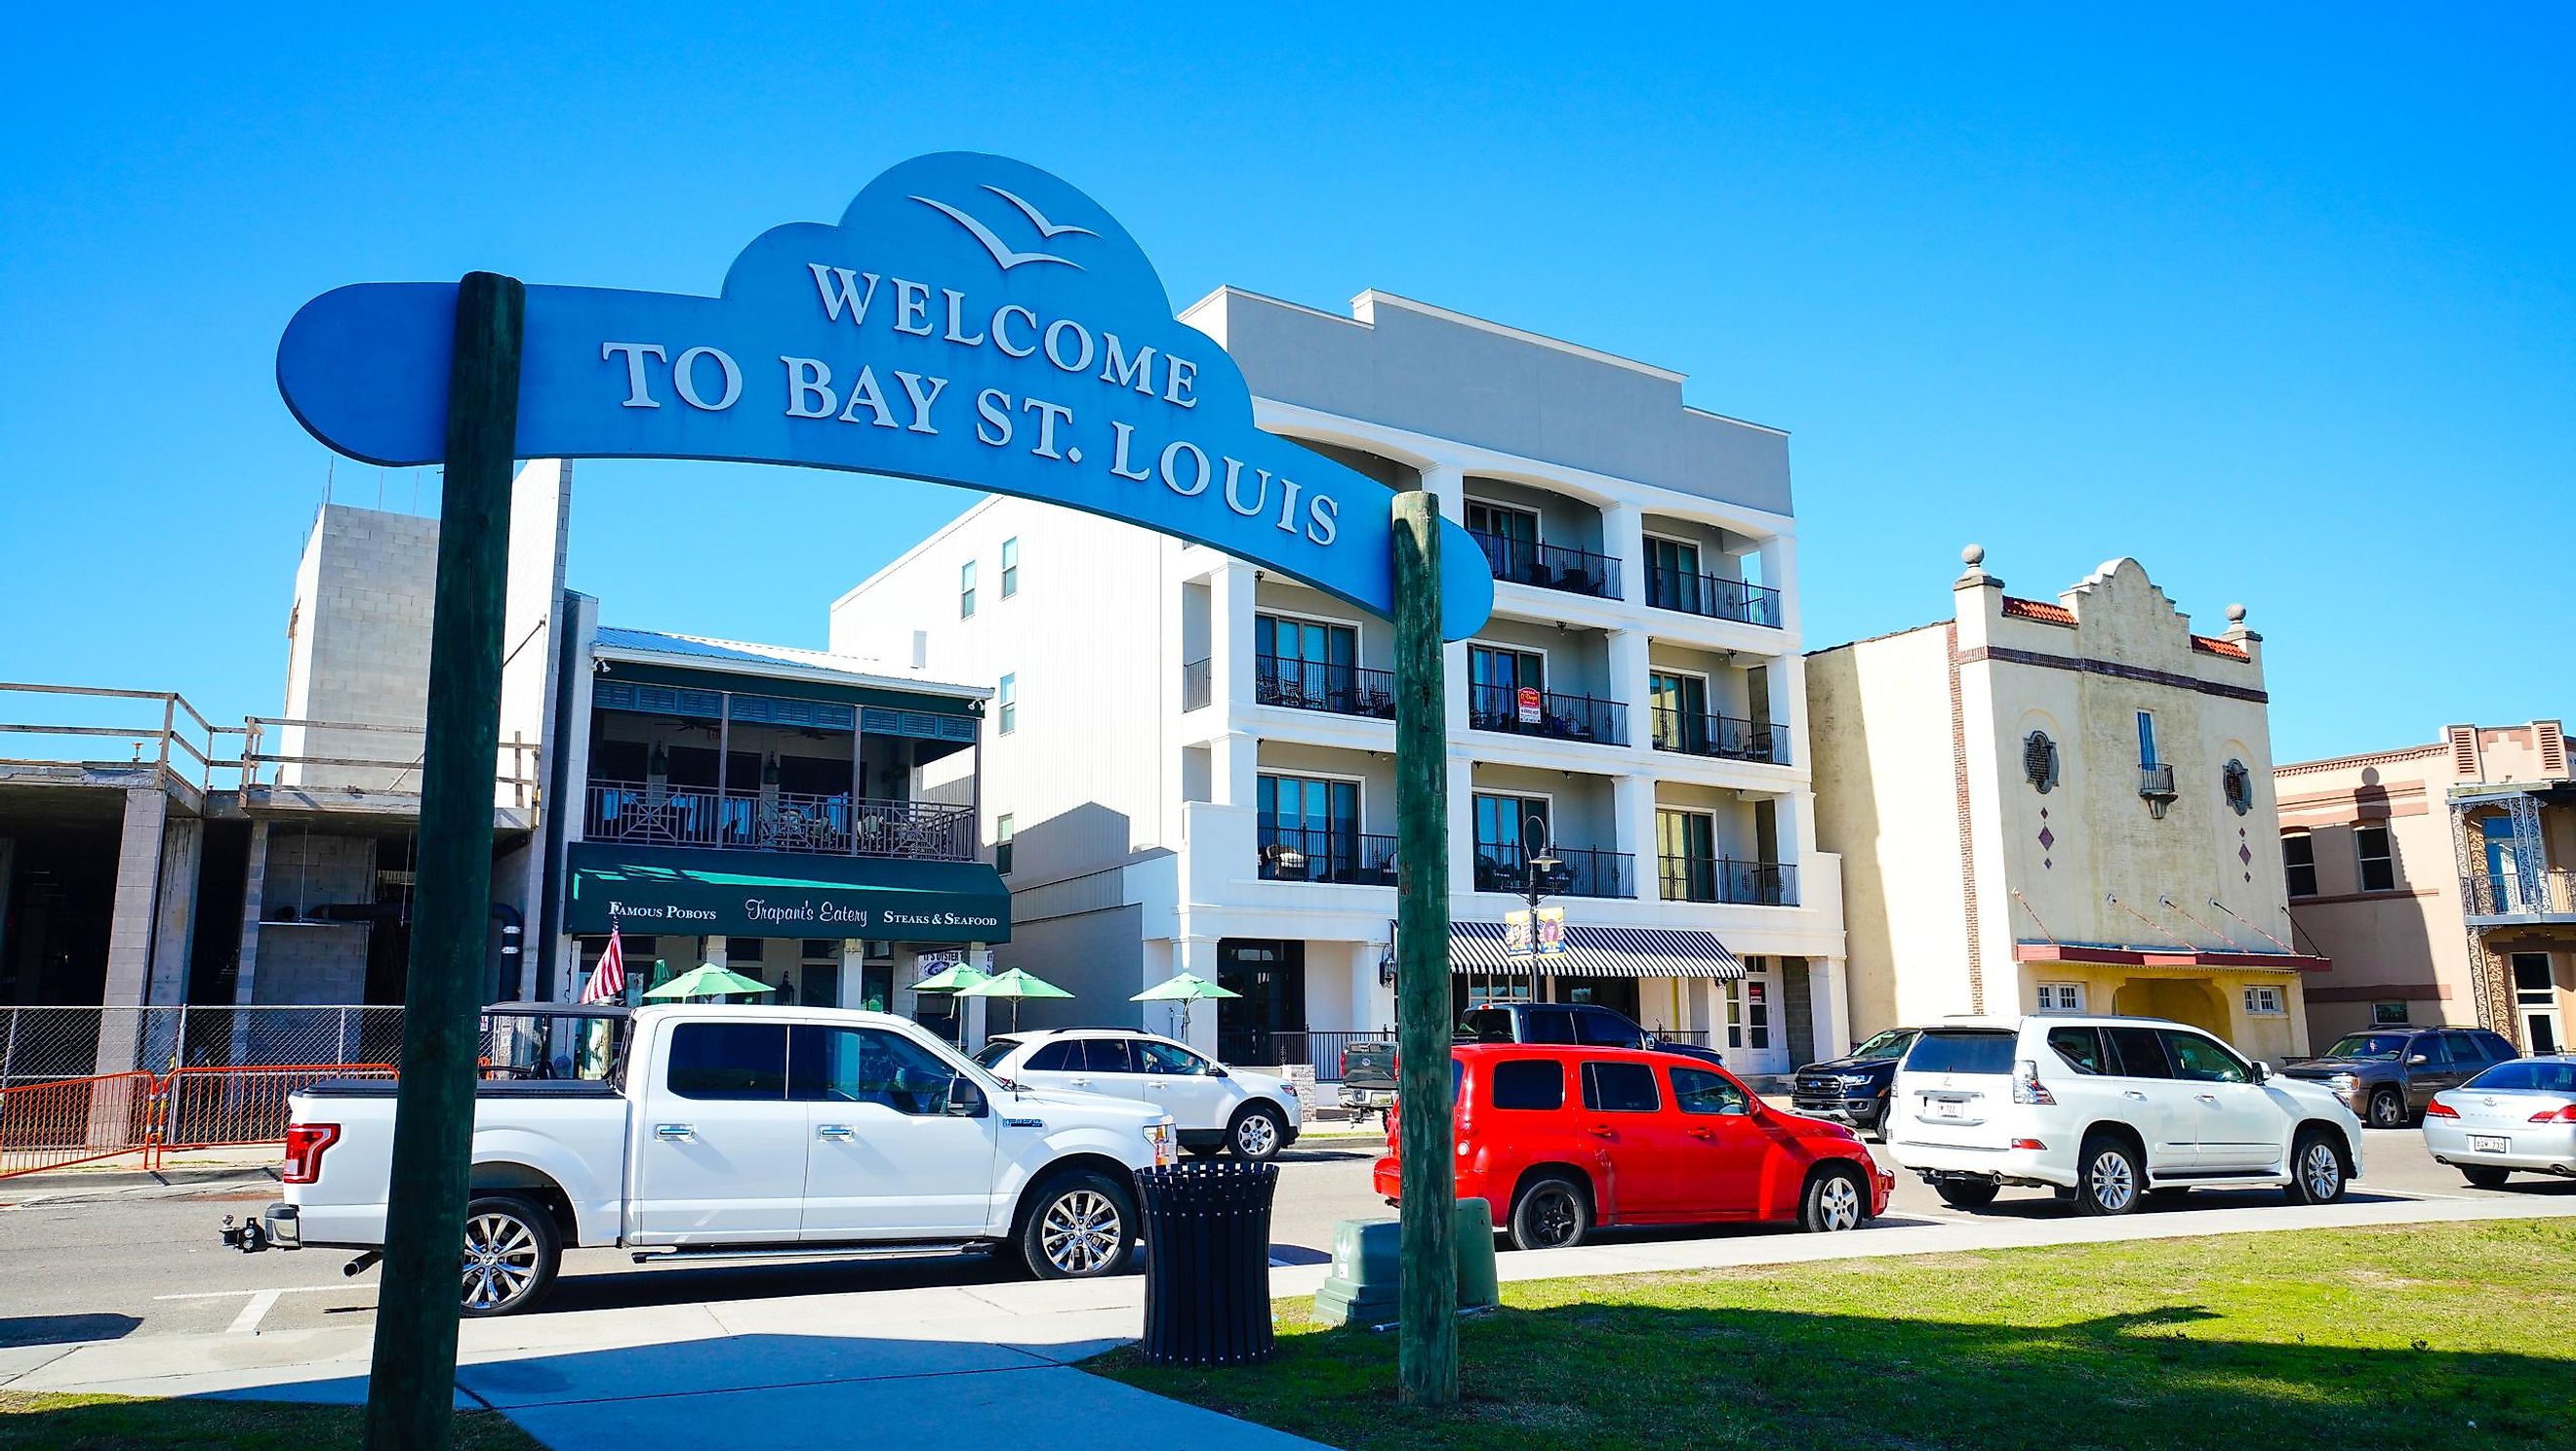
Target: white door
pixel 2239 1125
pixel 1055 1064
pixel 720 1152
pixel 2153 1101
pixel 1185 1085
pixel 900 1143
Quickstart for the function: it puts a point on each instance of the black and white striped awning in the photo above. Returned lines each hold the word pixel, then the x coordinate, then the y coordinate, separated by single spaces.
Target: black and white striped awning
pixel 1477 947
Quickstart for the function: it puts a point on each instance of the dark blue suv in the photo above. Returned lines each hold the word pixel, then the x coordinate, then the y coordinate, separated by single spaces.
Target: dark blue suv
pixel 1854 1088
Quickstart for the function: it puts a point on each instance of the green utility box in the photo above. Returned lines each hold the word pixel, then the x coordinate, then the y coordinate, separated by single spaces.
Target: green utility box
pixel 1368 1266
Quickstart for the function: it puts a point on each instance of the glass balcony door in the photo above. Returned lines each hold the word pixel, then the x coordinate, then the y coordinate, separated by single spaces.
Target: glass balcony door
pixel 1686 845
pixel 1680 711
pixel 1306 663
pixel 1316 819
pixel 1510 540
pixel 1509 831
pixel 1673 575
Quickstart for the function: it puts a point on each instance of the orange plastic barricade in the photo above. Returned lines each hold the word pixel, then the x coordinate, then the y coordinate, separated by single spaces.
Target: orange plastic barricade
pixel 76 1121
pixel 209 1108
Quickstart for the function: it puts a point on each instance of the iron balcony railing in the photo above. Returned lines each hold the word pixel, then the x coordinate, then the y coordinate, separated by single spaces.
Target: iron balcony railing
pixel 1320 685
pixel 635 811
pixel 2156 781
pixel 1580 871
pixel 1560 717
pixel 2552 893
pixel 1197 684
pixel 1715 596
pixel 1323 854
pixel 1319 1049
pixel 1692 734
pixel 1728 880
pixel 1550 566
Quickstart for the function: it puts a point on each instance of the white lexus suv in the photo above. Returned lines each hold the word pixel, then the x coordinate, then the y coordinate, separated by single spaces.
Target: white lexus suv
pixel 1213 1107
pixel 2113 1110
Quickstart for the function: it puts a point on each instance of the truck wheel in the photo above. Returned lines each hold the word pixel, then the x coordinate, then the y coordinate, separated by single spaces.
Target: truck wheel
pixel 1081 1225
pixel 511 1254
pixel 1256 1134
pixel 2387 1110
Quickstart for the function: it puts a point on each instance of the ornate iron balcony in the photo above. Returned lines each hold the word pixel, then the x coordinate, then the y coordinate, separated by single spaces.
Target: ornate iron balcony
pixel 637 811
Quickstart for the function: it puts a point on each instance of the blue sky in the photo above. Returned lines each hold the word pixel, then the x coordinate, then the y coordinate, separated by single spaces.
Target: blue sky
pixel 2284 305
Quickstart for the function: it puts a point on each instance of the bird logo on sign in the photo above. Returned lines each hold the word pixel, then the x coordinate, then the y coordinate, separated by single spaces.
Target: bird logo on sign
pixel 1005 256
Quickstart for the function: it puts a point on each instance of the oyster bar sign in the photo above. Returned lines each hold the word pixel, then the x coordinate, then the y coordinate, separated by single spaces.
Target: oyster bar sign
pixel 970 320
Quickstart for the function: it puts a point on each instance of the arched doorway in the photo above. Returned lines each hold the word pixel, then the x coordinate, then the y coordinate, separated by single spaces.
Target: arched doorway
pixel 2182 999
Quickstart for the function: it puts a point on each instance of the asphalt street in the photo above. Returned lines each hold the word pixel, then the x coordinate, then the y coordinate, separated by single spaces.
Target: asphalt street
pixel 86 1258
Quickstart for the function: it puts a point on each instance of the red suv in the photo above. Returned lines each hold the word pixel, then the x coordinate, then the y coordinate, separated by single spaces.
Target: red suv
pixel 1560 1139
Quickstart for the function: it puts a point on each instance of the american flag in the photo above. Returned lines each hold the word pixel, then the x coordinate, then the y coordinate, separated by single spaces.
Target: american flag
pixel 608 982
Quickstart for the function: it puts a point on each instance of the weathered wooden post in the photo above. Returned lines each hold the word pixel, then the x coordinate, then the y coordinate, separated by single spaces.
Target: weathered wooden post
pixel 1427 1354
pixel 411 1386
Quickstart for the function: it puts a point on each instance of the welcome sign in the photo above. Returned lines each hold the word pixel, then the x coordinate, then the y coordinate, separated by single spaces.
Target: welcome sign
pixel 970 320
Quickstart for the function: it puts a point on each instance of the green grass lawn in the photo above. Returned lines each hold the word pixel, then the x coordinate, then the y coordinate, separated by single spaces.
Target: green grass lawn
pixel 116 1423
pixel 2451 1336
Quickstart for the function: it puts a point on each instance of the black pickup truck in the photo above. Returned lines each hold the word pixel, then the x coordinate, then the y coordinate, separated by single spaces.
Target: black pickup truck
pixel 1854 1088
pixel 1368 1065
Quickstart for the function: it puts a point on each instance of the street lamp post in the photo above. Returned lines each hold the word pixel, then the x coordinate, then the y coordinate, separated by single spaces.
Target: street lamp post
pixel 1538 876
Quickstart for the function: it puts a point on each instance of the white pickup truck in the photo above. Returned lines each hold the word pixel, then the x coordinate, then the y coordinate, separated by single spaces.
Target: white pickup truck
pixel 731 1131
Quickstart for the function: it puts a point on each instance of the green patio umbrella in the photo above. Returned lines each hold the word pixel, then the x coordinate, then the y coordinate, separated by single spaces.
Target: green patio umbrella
pixel 707 980
pixel 1014 985
pixel 955 977
pixel 1185 989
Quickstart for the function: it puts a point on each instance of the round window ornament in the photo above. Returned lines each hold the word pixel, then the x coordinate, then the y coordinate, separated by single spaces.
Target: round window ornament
pixel 2237 783
pixel 2039 761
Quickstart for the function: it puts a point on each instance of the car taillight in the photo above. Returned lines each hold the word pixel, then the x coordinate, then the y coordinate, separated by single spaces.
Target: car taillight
pixel 2026 1085
pixel 1345 1060
pixel 304 1146
pixel 2565 1115
pixel 2438 1109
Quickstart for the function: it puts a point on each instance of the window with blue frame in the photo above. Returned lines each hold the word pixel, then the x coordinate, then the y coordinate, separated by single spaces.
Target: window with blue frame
pixel 1309 827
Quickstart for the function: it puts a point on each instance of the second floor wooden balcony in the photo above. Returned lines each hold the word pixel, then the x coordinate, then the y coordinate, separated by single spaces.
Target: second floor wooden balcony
pixel 702 816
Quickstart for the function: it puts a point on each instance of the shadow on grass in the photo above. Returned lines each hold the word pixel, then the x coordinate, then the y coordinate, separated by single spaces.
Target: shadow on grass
pixel 1601 1376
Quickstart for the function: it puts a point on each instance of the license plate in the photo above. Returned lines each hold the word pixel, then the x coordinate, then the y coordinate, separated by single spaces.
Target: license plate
pixel 1946 1107
pixel 2487 1144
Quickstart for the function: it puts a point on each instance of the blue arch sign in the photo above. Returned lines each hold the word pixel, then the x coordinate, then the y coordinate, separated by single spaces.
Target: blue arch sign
pixel 971 320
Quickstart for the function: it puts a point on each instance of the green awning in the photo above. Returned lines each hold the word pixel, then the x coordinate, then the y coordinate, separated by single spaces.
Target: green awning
pixel 688 891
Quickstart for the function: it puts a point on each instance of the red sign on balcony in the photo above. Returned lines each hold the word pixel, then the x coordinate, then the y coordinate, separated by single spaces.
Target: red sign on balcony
pixel 1528 702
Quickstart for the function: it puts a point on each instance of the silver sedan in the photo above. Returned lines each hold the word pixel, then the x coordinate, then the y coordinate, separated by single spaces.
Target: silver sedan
pixel 2518 1115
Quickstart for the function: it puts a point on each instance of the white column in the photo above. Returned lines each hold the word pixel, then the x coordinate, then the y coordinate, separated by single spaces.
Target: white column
pixel 1628 676
pixel 1230 655
pixel 1462 824
pixel 1450 483
pixel 854 973
pixel 1196 955
pixel 1623 538
pixel 1235 769
pixel 1632 801
pixel 1829 1006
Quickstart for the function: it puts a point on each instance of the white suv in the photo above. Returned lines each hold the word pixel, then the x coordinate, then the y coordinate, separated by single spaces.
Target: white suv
pixel 2114 1109
pixel 1212 1106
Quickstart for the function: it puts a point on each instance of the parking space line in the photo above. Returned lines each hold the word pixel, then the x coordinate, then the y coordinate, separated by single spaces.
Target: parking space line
pixel 249 1318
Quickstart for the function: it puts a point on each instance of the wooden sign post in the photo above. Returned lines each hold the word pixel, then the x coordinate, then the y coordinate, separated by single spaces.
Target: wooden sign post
pixel 411 1387
pixel 1427 1353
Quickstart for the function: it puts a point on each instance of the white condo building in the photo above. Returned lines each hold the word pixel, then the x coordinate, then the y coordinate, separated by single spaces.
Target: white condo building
pixel 1189 765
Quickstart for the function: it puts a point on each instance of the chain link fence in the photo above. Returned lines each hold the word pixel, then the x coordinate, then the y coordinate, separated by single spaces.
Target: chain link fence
pixel 45 1045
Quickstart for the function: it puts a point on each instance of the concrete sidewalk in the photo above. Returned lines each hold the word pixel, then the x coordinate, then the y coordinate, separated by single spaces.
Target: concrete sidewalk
pixel 974 1360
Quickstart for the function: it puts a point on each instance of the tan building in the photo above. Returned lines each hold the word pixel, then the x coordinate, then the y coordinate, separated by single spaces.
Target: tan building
pixel 2437 877
pixel 2058 806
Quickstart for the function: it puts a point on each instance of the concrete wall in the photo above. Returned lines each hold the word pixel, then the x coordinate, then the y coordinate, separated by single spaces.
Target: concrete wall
pixel 1427 370
pixel 313 963
pixel 1878 727
pixel 1092 955
pixel 361 645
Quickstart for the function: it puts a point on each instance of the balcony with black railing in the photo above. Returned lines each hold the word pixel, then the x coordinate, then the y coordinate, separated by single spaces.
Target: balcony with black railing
pixel 666 815
pixel 1198 678
pixel 1547 713
pixel 1692 733
pixel 1579 871
pixel 1714 596
pixel 1729 880
pixel 1550 566
pixel 1326 854
pixel 1321 685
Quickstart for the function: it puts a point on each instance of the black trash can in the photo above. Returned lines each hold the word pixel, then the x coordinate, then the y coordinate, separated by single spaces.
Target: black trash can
pixel 1207 1262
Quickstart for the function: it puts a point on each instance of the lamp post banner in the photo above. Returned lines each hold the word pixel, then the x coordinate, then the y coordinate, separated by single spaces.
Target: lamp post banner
pixel 971 320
